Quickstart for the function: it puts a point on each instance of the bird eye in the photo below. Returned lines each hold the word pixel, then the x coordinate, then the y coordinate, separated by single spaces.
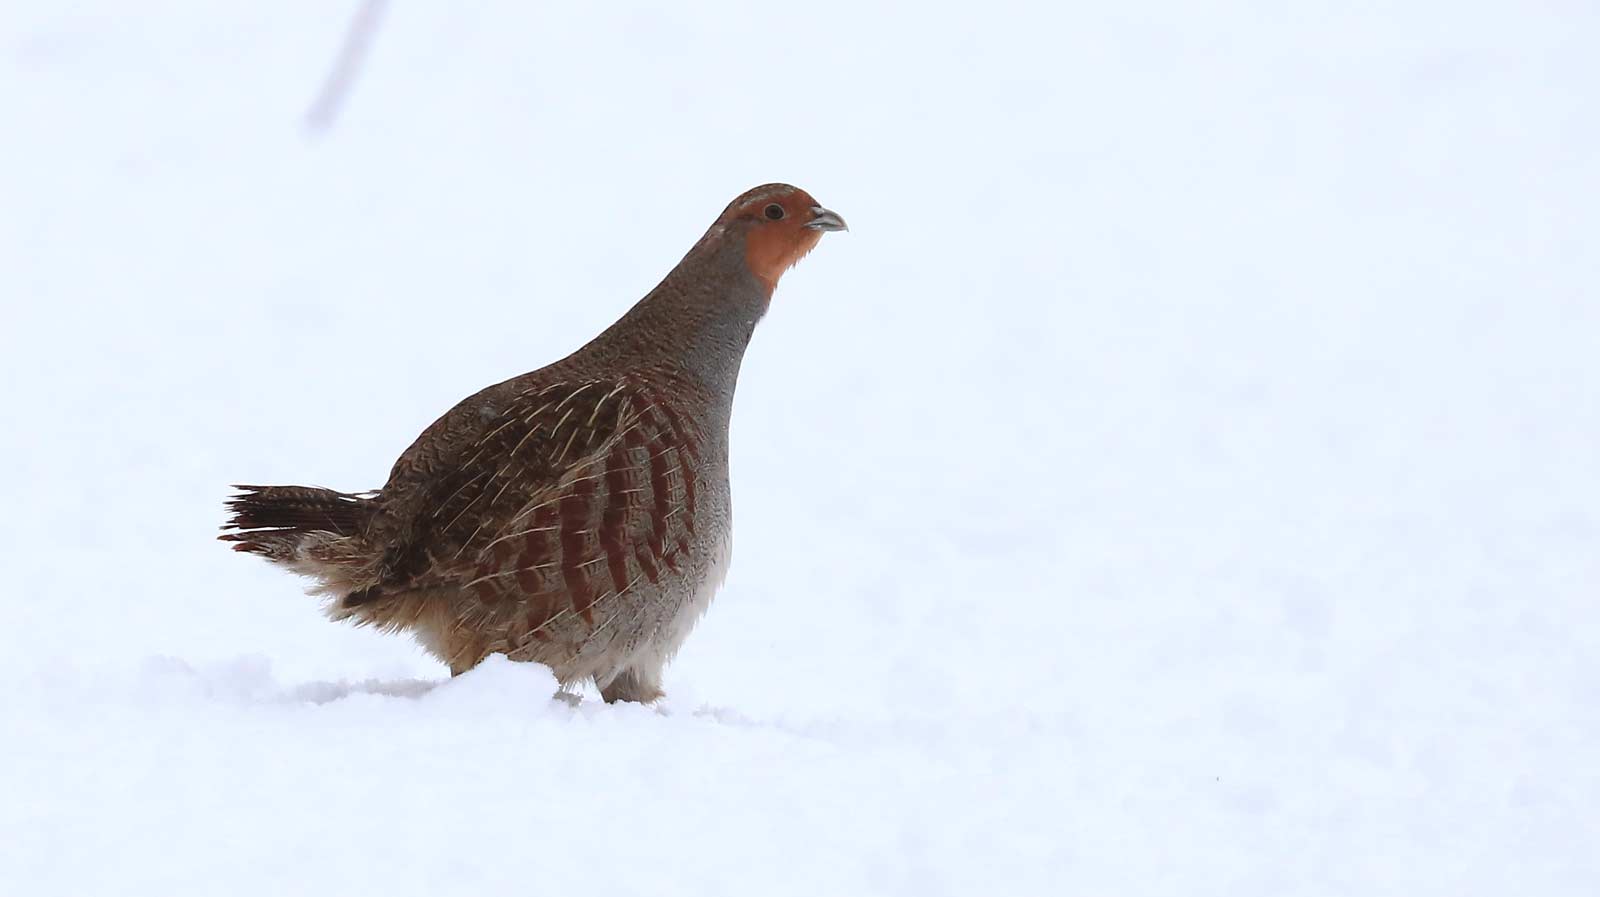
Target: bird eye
pixel 774 212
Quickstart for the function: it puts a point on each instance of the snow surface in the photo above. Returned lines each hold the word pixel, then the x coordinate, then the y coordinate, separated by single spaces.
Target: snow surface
pixel 1183 480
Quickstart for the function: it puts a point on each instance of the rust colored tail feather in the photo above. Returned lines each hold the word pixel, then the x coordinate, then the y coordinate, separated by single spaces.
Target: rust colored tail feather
pixel 276 509
pixel 314 532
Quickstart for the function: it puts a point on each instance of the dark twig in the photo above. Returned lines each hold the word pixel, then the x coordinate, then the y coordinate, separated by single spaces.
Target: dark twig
pixel 346 66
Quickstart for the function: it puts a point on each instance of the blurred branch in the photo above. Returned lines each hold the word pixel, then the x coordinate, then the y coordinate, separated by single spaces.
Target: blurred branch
pixel 346 66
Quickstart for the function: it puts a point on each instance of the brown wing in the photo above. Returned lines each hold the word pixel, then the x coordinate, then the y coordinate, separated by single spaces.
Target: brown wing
pixel 574 489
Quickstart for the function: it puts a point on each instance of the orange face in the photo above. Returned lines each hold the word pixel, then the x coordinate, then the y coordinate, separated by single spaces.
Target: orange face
pixel 786 224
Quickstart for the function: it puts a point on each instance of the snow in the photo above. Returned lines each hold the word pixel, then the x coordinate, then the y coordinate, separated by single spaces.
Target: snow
pixel 1181 480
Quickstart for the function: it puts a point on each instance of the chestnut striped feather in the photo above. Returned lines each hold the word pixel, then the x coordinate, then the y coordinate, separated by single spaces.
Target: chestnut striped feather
pixel 576 507
pixel 604 486
pixel 688 451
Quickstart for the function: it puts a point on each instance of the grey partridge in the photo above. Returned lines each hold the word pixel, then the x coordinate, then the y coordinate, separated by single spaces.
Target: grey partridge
pixel 579 515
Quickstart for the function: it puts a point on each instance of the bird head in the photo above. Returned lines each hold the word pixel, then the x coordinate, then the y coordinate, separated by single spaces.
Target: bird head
pixel 779 225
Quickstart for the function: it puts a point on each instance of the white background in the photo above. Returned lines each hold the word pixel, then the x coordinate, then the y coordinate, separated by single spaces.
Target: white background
pixel 1183 479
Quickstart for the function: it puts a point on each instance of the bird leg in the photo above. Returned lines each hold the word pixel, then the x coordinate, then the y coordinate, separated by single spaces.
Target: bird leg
pixel 633 685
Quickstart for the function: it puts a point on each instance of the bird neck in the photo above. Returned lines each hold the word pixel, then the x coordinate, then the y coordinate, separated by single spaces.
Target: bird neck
pixel 697 321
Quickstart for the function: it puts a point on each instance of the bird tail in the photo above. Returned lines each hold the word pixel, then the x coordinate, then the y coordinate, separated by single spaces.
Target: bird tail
pixel 314 532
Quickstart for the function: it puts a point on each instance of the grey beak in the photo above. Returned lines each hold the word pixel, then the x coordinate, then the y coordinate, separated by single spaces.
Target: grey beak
pixel 822 219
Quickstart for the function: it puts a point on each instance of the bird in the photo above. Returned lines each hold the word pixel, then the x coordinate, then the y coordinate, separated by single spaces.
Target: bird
pixel 577 516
